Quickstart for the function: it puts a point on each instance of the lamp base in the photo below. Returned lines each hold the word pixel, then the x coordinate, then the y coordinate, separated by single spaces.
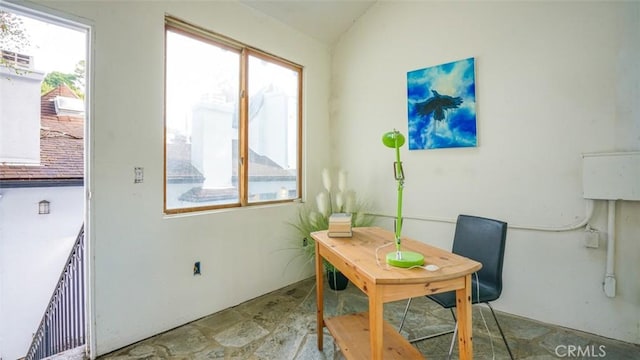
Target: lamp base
pixel 406 260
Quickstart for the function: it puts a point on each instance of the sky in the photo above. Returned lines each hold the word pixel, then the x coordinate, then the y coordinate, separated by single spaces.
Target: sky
pixel 53 47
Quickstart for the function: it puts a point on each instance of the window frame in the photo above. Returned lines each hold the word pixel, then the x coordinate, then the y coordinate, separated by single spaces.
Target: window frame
pixel 245 51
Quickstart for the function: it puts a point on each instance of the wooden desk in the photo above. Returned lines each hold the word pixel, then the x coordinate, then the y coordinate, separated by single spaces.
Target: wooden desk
pixel 362 259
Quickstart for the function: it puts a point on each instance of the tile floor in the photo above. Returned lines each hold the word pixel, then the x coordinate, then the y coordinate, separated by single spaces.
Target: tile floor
pixel 282 326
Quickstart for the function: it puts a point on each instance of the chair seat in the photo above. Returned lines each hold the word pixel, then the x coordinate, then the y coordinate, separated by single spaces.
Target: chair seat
pixel 448 299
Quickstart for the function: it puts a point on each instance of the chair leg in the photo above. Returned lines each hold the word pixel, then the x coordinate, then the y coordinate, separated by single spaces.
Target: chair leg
pixel 430 336
pixel 500 328
pixel 453 339
pixel 404 316
pixel 438 334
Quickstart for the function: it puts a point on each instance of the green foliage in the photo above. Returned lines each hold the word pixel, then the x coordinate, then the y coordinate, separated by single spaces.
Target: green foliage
pixel 79 72
pixel 311 219
pixel 56 78
pixel 13 36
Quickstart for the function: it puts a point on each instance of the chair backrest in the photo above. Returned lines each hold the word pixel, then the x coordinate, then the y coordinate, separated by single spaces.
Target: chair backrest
pixel 482 240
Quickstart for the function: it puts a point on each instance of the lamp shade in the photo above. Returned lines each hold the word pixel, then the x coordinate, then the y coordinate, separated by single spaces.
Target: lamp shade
pixel 389 139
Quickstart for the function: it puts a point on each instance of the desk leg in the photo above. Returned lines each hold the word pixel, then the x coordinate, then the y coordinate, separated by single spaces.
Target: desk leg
pixel 463 305
pixel 319 297
pixel 375 323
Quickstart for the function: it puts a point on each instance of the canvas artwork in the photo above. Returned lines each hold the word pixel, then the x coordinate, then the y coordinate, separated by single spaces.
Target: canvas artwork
pixel 442 106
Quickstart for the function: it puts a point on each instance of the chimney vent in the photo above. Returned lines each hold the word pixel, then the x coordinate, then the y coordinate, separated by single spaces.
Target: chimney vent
pixel 68 106
pixel 20 61
pixel 19 109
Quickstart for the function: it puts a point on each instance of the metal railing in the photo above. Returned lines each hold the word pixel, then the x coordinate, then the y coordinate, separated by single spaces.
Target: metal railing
pixel 63 325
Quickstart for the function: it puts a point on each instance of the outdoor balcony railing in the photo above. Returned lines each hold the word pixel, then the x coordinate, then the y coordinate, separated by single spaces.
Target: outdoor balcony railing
pixel 63 325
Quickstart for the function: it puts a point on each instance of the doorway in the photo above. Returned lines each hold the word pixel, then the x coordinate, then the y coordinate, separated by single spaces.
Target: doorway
pixel 43 183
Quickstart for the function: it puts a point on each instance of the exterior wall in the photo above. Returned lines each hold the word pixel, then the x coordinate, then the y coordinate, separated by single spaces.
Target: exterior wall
pixel 554 80
pixel 33 249
pixel 16 120
pixel 142 282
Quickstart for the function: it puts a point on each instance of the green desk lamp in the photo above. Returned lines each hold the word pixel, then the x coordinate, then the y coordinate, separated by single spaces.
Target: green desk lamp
pixel 404 259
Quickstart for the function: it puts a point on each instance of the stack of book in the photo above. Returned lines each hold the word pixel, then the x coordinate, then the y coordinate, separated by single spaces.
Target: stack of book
pixel 340 225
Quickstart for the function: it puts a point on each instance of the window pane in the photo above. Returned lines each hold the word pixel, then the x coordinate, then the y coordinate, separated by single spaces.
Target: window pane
pixel 273 131
pixel 202 82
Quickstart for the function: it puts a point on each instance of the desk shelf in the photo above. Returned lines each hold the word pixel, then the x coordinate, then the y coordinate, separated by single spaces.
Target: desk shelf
pixel 351 333
pixel 357 258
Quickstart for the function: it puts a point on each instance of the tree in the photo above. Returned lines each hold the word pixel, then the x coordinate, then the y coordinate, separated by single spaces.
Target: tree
pixel 56 78
pixel 79 73
pixel 14 38
pixel 75 81
pixel 13 35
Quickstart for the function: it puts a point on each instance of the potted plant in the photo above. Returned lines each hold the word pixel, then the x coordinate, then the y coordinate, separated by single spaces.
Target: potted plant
pixel 329 201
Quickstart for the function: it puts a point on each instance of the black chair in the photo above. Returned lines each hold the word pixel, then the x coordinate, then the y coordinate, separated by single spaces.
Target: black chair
pixel 482 240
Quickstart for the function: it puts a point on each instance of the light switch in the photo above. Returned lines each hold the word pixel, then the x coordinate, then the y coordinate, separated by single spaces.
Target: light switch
pixel 138 175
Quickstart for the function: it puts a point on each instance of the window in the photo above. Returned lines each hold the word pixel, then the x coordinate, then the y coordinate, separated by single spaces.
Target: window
pixel 232 123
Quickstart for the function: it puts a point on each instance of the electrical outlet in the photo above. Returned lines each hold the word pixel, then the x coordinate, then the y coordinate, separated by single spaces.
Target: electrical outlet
pixel 196 268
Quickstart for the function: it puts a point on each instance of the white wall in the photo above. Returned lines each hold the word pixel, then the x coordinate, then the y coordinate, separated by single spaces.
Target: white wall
pixel 550 85
pixel 20 140
pixel 142 276
pixel 553 81
pixel 33 249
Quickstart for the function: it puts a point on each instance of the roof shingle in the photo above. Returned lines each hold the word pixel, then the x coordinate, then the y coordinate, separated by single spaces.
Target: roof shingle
pixel 61 145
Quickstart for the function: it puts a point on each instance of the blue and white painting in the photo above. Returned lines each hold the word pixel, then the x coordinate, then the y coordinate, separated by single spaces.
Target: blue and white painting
pixel 442 106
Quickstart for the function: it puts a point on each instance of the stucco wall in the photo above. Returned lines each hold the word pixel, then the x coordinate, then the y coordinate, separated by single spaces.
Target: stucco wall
pixel 553 80
pixel 33 249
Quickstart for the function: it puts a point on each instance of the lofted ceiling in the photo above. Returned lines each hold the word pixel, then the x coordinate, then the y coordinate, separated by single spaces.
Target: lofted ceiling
pixel 324 20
